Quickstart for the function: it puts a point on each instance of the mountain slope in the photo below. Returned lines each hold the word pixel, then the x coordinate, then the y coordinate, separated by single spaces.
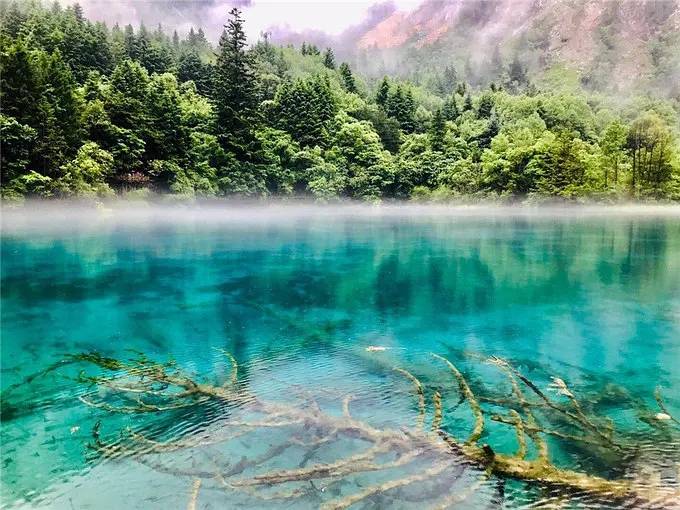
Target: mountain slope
pixel 612 44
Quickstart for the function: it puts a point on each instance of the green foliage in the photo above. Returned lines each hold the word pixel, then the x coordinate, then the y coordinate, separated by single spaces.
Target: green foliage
pixel 329 58
pixel 88 110
pixel 305 109
pixel 86 174
pixel 347 78
pixel 190 67
pixel 437 131
pixel 235 91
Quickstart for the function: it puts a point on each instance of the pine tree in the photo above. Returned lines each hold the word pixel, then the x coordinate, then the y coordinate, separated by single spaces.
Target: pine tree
pixel 329 58
pixel 130 42
pixel 12 20
pixel 517 73
pixel 486 104
pixel 450 110
pixel 401 106
pixel 467 105
pixel 60 92
pixel 408 117
pixel 395 103
pixel 492 129
pixel 347 78
pixel 20 87
pixel 235 90
pixel 383 93
pixel 191 39
pixel 450 78
pixel 191 68
pixel 78 13
pixel 142 42
pixel 437 131
pixel 304 109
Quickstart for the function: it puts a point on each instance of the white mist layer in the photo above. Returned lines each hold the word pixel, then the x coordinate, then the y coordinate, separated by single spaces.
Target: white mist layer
pixel 57 216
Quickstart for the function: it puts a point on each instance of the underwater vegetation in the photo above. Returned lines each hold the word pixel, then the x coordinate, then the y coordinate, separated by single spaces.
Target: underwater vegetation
pixel 427 462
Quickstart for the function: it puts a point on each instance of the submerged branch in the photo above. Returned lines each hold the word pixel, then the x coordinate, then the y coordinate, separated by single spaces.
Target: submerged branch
pixel 662 406
pixel 193 499
pixel 164 387
pixel 421 396
pixel 472 401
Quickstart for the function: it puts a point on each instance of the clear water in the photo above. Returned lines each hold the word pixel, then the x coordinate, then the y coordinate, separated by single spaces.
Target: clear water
pixel 297 295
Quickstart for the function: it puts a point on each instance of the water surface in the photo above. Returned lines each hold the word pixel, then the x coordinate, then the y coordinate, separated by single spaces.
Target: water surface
pixel 302 297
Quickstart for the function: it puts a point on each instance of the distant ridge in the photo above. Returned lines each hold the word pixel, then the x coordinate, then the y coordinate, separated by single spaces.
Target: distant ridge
pixel 610 43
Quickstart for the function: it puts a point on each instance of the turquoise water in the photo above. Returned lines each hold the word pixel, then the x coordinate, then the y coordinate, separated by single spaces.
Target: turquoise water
pixel 316 304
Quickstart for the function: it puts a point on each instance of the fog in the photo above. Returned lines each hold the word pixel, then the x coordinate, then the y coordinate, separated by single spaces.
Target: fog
pixel 324 21
pixel 65 216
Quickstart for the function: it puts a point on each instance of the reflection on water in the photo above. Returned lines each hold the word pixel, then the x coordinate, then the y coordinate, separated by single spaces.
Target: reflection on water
pixel 593 299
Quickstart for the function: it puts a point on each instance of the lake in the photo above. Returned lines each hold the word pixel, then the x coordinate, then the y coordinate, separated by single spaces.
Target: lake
pixel 318 306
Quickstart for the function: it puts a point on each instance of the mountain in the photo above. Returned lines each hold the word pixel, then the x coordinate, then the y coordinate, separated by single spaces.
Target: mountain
pixel 610 44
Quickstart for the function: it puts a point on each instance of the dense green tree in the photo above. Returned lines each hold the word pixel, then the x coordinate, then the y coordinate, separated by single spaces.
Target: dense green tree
pixel 86 174
pixel 304 109
pixel 347 78
pixel 450 109
pixel 329 58
pixel 62 109
pixel 651 146
pixel 382 96
pixel 517 73
pixel 236 92
pixel 20 83
pixel 368 166
pixel 401 106
pixel 492 129
pixel 190 67
pixel 167 136
pixel 485 106
pixel 388 128
pixel 613 144
pixel 17 147
pixel 437 131
pixel 87 111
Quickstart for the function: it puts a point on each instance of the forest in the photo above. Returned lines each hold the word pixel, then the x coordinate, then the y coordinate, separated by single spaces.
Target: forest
pixel 95 111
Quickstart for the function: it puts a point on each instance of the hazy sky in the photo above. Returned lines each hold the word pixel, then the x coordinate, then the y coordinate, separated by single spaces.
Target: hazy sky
pixel 330 16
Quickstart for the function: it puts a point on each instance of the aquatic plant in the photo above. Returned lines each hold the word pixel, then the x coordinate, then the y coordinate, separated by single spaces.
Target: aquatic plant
pixel 406 457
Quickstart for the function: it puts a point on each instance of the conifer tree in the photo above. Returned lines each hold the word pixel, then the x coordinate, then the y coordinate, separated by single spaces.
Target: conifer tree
pixel 408 116
pixel 437 131
pixel 329 58
pixel 517 73
pixel 492 129
pixel 190 67
pixel 60 93
pixel 130 42
pixel 467 105
pixel 347 78
pixel 486 104
pixel 383 93
pixel 450 110
pixel 235 93
pixel 78 13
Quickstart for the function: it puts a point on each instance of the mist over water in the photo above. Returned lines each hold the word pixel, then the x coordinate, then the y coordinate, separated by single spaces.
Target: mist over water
pixel 297 293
